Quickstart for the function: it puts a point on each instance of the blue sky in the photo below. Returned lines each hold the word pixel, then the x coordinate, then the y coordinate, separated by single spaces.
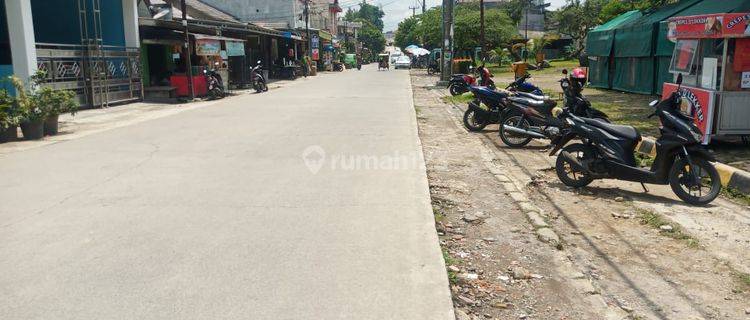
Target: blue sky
pixel 397 10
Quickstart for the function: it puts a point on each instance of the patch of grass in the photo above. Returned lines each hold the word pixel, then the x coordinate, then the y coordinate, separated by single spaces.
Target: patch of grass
pixel 452 276
pixel 459 99
pixel 439 216
pixel 655 220
pixel 744 279
pixel 736 196
pixel 643 160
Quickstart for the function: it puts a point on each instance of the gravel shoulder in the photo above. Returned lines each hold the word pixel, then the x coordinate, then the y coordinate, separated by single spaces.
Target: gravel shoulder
pixel 642 255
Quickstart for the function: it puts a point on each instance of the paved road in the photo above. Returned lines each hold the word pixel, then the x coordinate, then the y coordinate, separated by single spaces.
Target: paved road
pixel 308 202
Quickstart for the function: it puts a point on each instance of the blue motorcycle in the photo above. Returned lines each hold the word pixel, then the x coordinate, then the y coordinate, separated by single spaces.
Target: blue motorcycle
pixel 520 85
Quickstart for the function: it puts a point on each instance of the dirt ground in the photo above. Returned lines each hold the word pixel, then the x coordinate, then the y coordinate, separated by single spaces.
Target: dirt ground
pixel 622 253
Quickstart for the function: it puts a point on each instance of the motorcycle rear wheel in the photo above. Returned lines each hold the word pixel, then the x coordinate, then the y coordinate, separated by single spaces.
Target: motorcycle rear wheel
pixel 565 172
pixel 473 122
pixel 679 180
pixel 511 139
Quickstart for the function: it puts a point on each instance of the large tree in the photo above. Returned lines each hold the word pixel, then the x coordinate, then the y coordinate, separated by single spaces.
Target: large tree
pixel 367 12
pixel 576 18
pixel 406 34
pixel 499 29
pixel 371 37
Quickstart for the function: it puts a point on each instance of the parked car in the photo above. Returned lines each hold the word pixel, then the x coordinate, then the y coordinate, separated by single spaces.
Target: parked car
pixel 402 62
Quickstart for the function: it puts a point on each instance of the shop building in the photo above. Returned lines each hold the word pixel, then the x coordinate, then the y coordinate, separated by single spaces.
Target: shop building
pixel 88 46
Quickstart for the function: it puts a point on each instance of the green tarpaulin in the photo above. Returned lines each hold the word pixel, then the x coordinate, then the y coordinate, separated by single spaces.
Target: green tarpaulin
pixel 637 46
pixel 599 43
pixel 599 40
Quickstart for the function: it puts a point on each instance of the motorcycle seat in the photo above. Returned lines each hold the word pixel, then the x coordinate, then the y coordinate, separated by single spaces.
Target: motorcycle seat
pixel 544 103
pixel 626 132
pixel 532 96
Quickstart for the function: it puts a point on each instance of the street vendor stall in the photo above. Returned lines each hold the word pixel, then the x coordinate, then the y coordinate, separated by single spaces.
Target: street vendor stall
pixel 712 52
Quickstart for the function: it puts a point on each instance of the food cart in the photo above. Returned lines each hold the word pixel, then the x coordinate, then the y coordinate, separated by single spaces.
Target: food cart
pixel 712 52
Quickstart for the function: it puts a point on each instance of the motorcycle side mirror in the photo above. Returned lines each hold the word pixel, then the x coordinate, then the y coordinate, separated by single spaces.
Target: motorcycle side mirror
pixel 679 78
pixel 565 71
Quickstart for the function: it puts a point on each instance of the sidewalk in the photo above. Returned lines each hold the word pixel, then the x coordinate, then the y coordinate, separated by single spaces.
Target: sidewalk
pixel 90 121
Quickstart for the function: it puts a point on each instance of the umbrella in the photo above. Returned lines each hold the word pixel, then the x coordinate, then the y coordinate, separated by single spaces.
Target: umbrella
pixel 411 47
pixel 420 52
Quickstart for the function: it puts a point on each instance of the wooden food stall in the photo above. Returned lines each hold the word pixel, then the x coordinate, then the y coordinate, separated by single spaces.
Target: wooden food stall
pixel 712 52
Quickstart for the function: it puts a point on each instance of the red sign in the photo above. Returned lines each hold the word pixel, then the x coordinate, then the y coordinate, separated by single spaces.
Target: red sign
pixel 698 103
pixel 722 25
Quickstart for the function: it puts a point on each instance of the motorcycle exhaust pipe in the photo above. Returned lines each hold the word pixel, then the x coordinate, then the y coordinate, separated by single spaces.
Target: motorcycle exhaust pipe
pixel 573 161
pixel 522 131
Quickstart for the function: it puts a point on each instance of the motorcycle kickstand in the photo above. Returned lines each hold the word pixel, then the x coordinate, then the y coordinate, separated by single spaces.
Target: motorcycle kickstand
pixel 644 187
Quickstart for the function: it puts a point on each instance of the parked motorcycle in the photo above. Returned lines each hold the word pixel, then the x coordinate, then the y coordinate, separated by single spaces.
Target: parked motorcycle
pixel 259 81
pixel 521 85
pixel 433 68
pixel 460 83
pixel 476 118
pixel 531 116
pixel 574 100
pixel 608 152
pixel 215 85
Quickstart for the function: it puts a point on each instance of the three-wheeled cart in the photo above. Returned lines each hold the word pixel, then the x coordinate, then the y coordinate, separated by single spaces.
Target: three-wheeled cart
pixel 383 61
pixel 712 52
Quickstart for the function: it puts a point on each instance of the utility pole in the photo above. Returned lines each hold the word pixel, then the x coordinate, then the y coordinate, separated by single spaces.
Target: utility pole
pixel 424 6
pixel 188 55
pixel 447 45
pixel 481 30
pixel 413 10
pixel 307 28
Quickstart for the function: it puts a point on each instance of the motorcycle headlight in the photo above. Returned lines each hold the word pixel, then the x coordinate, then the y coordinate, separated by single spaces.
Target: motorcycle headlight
pixel 557 111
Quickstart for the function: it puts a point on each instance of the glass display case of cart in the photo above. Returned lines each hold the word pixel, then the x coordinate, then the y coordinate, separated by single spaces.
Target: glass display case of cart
pixel 712 52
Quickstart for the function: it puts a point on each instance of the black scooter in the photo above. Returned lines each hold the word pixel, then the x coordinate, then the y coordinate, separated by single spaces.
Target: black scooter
pixel 215 85
pixel 608 153
pixel 259 82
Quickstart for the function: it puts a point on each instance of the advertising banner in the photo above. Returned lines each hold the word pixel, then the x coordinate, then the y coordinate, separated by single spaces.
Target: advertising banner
pixel 207 47
pixel 722 25
pixel 316 54
pixel 698 103
pixel 235 48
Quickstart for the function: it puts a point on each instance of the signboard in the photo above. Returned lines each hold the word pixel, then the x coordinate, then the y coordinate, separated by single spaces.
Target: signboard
pixel 316 54
pixel 745 84
pixel 235 48
pixel 315 41
pixel 207 47
pixel 722 25
pixel 698 103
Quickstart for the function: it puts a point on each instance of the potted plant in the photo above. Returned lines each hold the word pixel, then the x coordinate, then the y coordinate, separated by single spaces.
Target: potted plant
pixel 9 117
pixel 54 103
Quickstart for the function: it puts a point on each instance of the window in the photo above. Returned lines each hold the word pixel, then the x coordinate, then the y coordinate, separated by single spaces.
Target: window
pixel 683 57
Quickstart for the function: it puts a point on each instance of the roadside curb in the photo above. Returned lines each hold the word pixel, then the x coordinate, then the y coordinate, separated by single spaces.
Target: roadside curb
pixel 534 214
pixel 731 177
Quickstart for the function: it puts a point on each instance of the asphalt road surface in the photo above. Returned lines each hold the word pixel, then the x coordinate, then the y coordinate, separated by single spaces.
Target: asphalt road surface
pixel 306 202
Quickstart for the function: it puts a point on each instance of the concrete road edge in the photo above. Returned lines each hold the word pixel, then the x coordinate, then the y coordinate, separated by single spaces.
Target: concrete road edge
pixel 446 296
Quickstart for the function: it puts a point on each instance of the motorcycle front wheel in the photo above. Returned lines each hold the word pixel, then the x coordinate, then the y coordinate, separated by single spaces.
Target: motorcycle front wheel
pixel 473 121
pixel 698 184
pixel 513 139
pixel 456 90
